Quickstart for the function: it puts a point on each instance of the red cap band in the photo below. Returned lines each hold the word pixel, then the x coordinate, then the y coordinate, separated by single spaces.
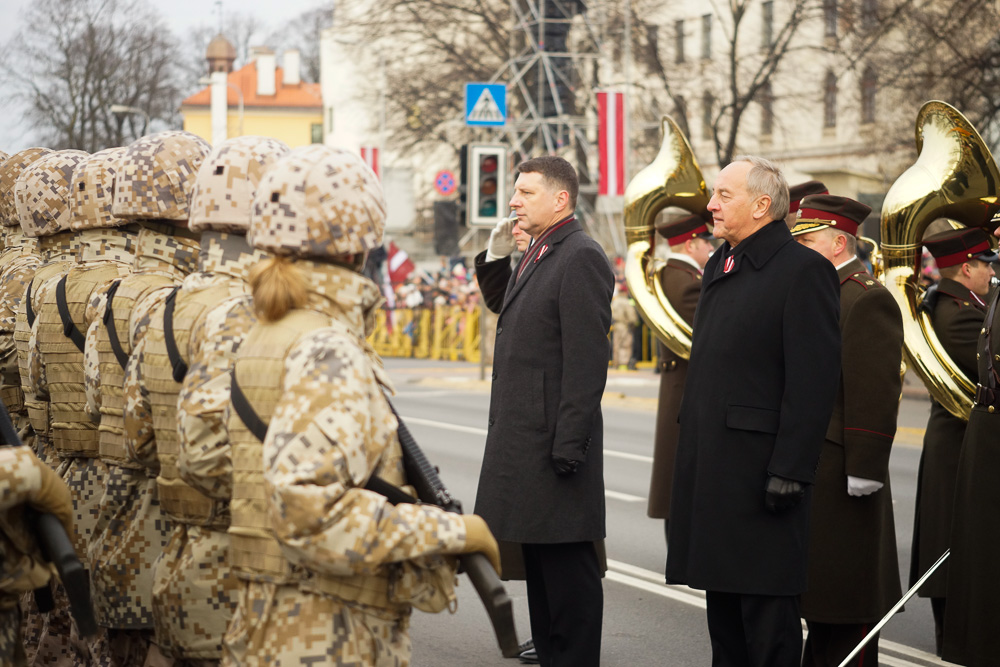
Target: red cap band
pixel 962 256
pixel 840 222
pixel 681 238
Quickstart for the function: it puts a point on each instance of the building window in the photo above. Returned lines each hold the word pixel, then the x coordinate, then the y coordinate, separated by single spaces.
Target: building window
pixel 317 132
pixel 830 17
pixel 706 37
pixel 766 109
pixel 679 41
pixel 830 101
pixel 707 113
pixel 767 25
pixel 869 86
pixel 869 13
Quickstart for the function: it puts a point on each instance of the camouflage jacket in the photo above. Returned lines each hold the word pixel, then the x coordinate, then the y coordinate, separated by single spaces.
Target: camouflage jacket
pixel 18 263
pixel 332 429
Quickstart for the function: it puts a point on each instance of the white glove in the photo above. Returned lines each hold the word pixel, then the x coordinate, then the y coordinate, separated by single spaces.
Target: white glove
pixel 501 240
pixel 859 486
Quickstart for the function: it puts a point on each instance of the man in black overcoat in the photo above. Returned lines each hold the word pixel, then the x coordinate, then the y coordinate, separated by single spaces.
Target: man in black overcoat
pixel 762 380
pixel 542 480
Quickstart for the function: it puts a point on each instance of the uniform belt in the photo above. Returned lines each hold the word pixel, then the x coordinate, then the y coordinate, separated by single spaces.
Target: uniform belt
pixel 988 397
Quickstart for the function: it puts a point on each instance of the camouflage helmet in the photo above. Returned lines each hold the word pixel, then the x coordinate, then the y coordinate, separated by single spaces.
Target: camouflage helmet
pixel 156 175
pixel 9 171
pixel 43 193
pixel 226 183
pixel 318 202
pixel 93 191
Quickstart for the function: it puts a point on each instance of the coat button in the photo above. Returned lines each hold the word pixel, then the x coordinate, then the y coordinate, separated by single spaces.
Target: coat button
pixel 494 376
pixel 499 330
pixel 490 423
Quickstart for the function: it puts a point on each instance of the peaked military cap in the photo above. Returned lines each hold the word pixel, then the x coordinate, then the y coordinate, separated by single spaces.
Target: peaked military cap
pixel 680 230
pixel 830 211
pixel 797 193
pixel 956 246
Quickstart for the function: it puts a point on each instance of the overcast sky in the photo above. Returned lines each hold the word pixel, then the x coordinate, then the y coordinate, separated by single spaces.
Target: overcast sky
pixel 181 15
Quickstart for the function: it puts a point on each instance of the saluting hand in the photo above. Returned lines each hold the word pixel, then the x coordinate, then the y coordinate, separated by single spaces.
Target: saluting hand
pixel 502 242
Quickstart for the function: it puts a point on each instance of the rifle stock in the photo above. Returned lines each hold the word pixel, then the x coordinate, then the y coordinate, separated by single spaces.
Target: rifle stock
pixel 57 548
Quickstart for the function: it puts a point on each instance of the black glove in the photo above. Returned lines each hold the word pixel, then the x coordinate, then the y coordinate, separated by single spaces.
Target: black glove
pixel 564 466
pixel 782 494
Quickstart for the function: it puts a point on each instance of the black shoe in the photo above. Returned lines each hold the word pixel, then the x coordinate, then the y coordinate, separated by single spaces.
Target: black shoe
pixel 529 657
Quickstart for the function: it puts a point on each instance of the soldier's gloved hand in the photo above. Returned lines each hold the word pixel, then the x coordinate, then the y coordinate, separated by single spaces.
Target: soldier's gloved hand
pixel 859 486
pixel 564 466
pixel 782 494
pixel 51 495
pixel 479 539
pixel 502 242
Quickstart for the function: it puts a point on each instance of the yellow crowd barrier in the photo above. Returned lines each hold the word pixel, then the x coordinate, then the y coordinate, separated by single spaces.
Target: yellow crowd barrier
pixel 445 333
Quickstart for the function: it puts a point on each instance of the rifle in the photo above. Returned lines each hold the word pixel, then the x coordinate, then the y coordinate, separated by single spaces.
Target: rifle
pixel 57 549
pixel 430 489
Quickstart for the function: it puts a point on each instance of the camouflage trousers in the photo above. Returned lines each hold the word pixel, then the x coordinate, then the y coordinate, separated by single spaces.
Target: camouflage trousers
pixel 136 648
pixel 52 638
pixel 194 593
pixel 283 626
pixel 11 648
pixel 85 478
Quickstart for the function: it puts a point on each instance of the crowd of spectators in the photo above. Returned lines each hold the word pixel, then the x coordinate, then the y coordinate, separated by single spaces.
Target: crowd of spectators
pixel 454 286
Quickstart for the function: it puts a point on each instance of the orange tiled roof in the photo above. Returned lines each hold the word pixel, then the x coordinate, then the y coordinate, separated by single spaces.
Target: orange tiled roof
pixel 304 95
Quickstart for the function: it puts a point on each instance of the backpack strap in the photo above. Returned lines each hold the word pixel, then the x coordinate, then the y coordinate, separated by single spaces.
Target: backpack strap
pixel 180 368
pixel 29 311
pixel 69 327
pixel 109 324
pixel 245 411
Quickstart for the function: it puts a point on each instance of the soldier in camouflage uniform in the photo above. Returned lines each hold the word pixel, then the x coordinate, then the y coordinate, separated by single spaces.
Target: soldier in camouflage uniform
pixel 194 592
pixel 152 187
pixel 55 355
pixel 333 569
pixel 42 195
pixel 24 480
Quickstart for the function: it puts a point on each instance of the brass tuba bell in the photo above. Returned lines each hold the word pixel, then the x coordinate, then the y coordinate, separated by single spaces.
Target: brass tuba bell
pixel 956 177
pixel 673 179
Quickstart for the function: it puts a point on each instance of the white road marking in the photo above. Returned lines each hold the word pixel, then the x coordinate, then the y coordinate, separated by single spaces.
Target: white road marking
pixel 447 426
pixel 652 582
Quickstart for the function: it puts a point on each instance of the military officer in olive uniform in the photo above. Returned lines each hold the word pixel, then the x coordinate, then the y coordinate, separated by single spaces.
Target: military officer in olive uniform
pixel 956 306
pixel 853 569
pixel 690 249
pixel 972 618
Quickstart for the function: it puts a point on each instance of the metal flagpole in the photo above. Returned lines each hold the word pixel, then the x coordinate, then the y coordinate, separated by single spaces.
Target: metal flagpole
pixel 892 612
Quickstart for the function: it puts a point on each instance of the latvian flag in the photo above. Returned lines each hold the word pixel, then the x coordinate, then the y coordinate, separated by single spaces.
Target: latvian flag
pixel 370 155
pixel 400 264
pixel 611 142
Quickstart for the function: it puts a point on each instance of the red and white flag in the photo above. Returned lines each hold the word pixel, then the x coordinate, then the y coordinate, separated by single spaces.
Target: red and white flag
pixel 370 155
pixel 611 142
pixel 399 263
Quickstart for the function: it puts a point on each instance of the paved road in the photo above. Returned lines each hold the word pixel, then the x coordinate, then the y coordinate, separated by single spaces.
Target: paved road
pixel 646 622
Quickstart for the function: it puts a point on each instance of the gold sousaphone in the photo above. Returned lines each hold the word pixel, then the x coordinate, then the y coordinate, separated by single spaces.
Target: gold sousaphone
pixel 673 179
pixel 955 177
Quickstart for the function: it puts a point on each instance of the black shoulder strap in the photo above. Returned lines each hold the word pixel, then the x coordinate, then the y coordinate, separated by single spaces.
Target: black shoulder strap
pixel 109 324
pixel 984 356
pixel 245 411
pixel 27 305
pixel 176 361
pixel 69 328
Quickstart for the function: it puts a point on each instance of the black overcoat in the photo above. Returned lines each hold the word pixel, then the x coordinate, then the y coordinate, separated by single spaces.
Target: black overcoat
pixel 550 367
pixel 853 566
pixel 972 616
pixel 957 315
pixel 765 365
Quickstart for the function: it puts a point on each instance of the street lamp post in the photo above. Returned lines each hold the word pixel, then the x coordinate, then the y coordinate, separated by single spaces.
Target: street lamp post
pixel 123 109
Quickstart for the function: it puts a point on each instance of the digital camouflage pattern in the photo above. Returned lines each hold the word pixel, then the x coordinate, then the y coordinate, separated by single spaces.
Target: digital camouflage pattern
pixel 131 530
pixel 156 175
pixel 94 189
pixel 227 181
pixel 10 170
pixel 18 264
pixel 193 588
pixel 318 202
pixel 360 564
pixel 42 193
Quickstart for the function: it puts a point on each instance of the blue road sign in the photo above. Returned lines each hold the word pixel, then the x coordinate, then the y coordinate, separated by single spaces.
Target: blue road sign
pixel 485 104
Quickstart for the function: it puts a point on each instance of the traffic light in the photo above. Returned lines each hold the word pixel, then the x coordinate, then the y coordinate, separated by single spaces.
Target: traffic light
pixel 486 185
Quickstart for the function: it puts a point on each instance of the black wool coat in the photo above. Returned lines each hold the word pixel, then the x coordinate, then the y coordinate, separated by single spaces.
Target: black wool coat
pixel 550 366
pixel 763 377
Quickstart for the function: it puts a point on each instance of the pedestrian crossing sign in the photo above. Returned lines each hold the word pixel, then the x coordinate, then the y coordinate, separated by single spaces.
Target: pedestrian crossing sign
pixel 485 104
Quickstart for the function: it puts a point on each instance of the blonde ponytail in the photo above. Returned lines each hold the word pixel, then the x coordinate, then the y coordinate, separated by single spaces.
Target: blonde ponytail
pixel 278 287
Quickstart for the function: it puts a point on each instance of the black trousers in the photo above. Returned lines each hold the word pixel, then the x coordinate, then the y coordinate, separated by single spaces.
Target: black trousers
pixel 829 643
pixel 566 603
pixel 754 630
